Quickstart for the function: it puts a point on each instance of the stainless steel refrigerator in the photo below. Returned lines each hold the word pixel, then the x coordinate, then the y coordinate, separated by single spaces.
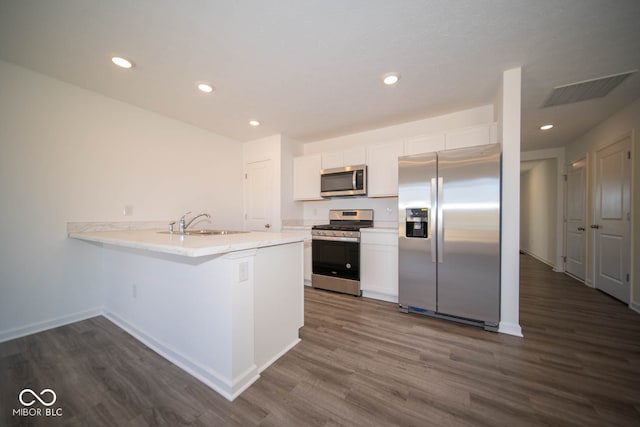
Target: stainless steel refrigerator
pixel 449 234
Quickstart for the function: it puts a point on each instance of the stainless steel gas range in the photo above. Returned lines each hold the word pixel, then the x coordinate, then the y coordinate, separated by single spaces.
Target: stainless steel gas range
pixel 335 251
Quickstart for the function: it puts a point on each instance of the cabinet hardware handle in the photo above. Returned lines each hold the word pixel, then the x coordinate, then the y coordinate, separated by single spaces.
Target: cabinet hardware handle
pixel 596 226
pixel 580 228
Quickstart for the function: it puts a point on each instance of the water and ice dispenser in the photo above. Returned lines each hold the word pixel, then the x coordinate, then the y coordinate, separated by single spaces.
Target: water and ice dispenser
pixel 417 223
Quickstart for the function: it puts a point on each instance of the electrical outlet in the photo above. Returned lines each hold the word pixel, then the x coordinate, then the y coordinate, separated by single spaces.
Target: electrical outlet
pixel 128 210
pixel 134 291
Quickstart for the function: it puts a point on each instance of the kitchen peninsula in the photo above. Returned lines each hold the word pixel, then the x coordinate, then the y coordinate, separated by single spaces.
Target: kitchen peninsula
pixel 221 307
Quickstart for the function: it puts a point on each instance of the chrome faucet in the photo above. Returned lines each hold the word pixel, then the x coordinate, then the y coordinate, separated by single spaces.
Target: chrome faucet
pixel 182 225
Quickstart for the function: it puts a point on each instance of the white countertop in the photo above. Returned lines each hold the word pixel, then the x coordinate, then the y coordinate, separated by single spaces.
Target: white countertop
pixel 189 246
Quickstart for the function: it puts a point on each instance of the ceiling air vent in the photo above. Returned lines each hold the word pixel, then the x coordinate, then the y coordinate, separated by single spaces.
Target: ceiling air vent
pixel 588 89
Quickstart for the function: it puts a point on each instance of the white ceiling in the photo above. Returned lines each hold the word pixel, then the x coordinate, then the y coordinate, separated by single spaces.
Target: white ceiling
pixel 311 69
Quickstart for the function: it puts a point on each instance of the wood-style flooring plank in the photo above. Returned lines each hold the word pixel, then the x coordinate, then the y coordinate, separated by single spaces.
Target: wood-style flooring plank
pixel 360 363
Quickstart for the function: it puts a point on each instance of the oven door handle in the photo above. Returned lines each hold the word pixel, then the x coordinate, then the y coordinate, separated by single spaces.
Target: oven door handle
pixel 336 239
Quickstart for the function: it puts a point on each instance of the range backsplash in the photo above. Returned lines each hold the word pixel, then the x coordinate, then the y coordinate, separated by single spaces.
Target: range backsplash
pixel 385 209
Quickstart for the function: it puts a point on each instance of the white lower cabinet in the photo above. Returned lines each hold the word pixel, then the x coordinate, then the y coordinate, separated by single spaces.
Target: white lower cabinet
pixel 379 264
pixel 307 249
pixel 307 262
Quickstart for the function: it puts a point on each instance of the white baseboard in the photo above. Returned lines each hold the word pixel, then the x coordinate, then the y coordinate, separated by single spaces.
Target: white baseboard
pixel 218 382
pixel 574 277
pixel 279 355
pixel 33 328
pixel 380 296
pixel 549 263
pixel 510 329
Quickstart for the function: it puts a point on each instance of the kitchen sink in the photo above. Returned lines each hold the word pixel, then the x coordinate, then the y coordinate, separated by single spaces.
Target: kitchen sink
pixel 204 232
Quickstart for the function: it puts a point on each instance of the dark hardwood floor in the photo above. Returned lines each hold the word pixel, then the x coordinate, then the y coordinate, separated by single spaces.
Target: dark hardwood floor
pixel 360 363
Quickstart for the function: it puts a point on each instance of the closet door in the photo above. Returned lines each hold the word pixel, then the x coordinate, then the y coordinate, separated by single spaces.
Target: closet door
pixel 612 219
pixel 576 222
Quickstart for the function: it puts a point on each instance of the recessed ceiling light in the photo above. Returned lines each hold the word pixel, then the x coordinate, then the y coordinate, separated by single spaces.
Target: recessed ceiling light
pixel 205 87
pixel 254 123
pixel 391 78
pixel 546 127
pixel 122 62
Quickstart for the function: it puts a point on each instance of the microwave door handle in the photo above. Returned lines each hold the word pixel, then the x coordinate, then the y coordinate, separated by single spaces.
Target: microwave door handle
pixel 353 180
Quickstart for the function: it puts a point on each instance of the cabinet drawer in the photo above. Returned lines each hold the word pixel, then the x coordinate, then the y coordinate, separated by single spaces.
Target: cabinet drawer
pixel 379 238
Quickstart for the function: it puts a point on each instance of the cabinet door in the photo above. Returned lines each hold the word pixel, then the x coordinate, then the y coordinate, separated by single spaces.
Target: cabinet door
pixel 333 159
pixel 382 173
pixel 424 144
pixel 307 251
pixel 349 157
pixel 379 265
pixel 354 156
pixel 471 136
pixel 306 177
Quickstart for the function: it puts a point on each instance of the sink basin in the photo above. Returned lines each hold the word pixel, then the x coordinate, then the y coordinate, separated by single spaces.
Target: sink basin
pixel 205 232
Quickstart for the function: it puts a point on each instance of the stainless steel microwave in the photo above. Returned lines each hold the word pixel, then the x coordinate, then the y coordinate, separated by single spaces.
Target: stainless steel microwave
pixel 345 181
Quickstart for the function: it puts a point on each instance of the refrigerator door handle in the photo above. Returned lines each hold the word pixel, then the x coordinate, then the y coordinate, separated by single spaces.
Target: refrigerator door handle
pixel 432 219
pixel 440 225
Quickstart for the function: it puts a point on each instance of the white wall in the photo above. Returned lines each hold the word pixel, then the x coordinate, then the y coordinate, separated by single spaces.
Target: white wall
pixel 606 132
pixel 509 135
pixel 73 155
pixel 625 121
pixel 538 211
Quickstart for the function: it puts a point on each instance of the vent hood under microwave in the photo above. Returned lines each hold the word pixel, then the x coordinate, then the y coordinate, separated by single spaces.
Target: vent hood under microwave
pixel 344 181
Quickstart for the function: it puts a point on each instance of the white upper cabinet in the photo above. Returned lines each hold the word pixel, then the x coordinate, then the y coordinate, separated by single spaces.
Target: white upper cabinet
pixel 349 157
pixel 471 136
pixel 382 159
pixel 355 156
pixel 332 159
pixel 382 168
pixel 306 177
pixel 424 144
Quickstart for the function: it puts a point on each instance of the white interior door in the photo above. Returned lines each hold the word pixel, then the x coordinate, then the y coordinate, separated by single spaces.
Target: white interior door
pixel 259 181
pixel 612 219
pixel 575 220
